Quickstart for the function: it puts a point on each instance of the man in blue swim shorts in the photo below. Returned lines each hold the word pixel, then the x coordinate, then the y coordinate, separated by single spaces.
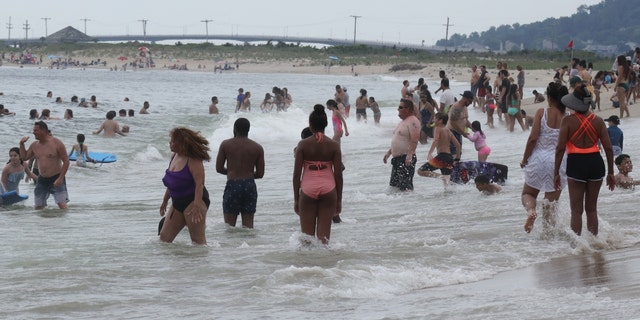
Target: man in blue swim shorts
pixel 245 162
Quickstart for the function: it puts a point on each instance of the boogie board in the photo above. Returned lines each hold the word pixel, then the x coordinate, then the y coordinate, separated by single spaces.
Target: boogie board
pixel 11 197
pixel 466 171
pixel 100 157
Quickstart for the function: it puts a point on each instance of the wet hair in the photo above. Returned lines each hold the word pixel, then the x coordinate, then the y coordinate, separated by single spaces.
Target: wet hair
pixel 442 116
pixel 408 104
pixel 555 92
pixel 318 118
pixel 618 160
pixel 145 105
pixel 42 125
pixel 372 99
pixel 122 112
pixel 214 98
pixel 306 133
pixel 476 127
pixel 332 103
pixel 111 114
pixel 132 112
pixel 363 92
pixel 70 113
pixel 190 143
pixel 482 179
pixel 33 114
pixel 80 138
pixel 535 92
pixel 441 74
pixel 16 150
pixel 241 127
pixel 45 113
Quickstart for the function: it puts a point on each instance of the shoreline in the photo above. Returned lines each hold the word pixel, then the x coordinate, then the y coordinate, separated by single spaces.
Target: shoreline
pixel 535 79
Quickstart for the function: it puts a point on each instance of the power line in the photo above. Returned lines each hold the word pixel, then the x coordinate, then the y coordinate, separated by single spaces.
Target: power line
pixel 26 30
pixel 446 36
pixel 355 24
pixel 46 31
pixel 144 28
pixel 206 23
pixel 9 27
pixel 85 24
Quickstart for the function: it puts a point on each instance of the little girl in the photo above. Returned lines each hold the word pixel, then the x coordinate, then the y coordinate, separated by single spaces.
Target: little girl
pixel 491 106
pixel 478 138
pixel 14 171
pixel 81 151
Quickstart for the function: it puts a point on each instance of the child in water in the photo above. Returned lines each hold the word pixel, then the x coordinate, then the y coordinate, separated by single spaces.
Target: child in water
pixel 82 152
pixel 624 164
pixel 479 141
pixel 485 186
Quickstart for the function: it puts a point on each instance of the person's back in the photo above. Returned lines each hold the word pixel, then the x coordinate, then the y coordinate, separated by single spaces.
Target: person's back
pixel 242 154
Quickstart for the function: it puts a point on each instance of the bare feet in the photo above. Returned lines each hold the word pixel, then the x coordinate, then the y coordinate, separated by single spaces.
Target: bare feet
pixel 529 224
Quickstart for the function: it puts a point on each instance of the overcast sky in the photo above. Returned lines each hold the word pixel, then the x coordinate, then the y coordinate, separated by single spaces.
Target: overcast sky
pixel 379 20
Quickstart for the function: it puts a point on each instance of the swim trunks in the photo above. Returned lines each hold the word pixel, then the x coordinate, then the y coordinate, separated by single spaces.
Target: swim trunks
pixel 240 197
pixel 402 174
pixel 443 161
pixel 44 188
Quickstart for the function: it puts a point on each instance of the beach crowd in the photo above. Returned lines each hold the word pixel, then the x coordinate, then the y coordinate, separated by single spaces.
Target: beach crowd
pixel 565 147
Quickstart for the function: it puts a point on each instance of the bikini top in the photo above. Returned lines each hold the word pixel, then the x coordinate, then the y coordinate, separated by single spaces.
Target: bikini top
pixel 180 183
pixel 586 128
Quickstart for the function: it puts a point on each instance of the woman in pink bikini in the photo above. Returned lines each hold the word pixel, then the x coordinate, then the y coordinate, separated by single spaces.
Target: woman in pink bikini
pixel 317 179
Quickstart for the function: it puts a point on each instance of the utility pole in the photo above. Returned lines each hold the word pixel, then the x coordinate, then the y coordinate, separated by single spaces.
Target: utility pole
pixel 355 24
pixel 144 28
pixel 446 36
pixel 26 30
pixel 85 24
pixel 9 27
pixel 46 31
pixel 206 25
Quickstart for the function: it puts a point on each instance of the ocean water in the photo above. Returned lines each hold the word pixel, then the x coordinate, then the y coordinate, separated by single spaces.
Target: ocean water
pixel 413 255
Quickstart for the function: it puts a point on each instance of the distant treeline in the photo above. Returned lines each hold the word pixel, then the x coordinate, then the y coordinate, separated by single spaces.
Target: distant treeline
pixel 611 22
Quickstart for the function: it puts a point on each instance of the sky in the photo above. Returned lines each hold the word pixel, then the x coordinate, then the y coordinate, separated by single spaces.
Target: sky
pixel 376 20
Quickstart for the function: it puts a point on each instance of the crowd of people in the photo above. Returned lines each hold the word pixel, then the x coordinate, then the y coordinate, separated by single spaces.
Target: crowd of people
pixel 563 150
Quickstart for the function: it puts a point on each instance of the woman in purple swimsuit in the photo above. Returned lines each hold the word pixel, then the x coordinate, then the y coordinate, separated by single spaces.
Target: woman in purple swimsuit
pixel 184 180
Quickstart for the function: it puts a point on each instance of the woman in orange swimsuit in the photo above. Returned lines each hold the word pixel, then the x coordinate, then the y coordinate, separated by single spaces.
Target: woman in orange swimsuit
pixel 579 136
pixel 317 184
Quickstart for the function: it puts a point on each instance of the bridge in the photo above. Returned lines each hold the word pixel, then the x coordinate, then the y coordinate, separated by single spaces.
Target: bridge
pixel 227 37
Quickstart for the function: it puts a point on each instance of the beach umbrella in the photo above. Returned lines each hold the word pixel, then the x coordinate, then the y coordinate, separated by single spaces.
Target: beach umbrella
pixel 334 58
pixel 53 56
pixel 122 58
pixel 143 48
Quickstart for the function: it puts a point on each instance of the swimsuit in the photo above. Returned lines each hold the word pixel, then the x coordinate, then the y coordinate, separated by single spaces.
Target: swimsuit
pixel 80 160
pixel 13 180
pixel 337 123
pixel 317 178
pixel 240 197
pixel 585 164
pixel 401 173
pixel 182 188
pixel 44 188
pixel 443 161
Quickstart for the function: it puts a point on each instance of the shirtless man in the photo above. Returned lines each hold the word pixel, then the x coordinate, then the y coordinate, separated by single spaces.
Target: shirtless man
pixel 475 76
pixel 340 97
pixel 245 163
pixel 53 163
pixel 459 119
pixel 442 140
pixel 405 92
pixel 403 147
pixel 110 126
pixel 213 107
